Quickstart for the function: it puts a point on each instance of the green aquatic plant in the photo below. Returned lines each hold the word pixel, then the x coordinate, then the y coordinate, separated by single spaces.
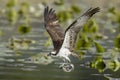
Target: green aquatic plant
pixel 115 16
pixel 91 26
pixel 88 36
pixel 11 12
pixel 103 64
pixel 75 9
pixel 39 58
pixel 48 42
pixel 11 3
pixel 24 15
pixel 91 29
pixel 98 63
pixel 23 11
pixel 16 43
pixel 112 10
pixel 12 16
pixel 109 77
pixel 58 2
pixel 114 65
pixel 117 42
pixel 17 53
pixel 81 53
pixel 83 42
pixel 99 47
pixel 64 15
pixel 1 32
pixel 23 29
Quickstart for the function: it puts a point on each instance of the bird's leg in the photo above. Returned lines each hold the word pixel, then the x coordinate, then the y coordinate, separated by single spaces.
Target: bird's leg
pixel 66 60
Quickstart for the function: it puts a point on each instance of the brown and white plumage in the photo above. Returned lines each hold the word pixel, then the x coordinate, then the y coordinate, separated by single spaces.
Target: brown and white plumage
pixel 64 42
pixel 53 28
pixel 75 27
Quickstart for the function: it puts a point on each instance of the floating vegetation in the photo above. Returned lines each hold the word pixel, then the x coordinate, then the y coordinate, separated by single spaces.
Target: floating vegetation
pixel 75 9
pixel 1 33
pixel 39 59
pixel 15 43
pixel 98 63
pixel 64 15
pixel 108 77
pixel 81 53
pixel 58 2
pixel 48 42
pixel 115 16
pixel 12 16
pixel 89 35
pixel 112 10
pixel 83 42
pixel 114 65
pixel 11 12
pixel 117 41
pixel 91 26
pixel 11 3
pixel 103 64
pixel 22 29
pixel 99 48
pixel 23 11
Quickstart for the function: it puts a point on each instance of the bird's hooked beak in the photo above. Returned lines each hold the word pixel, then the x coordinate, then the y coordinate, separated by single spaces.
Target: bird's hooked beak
pixel 52 53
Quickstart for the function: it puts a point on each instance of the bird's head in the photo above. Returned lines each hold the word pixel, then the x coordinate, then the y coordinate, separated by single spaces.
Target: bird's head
pixel 52 53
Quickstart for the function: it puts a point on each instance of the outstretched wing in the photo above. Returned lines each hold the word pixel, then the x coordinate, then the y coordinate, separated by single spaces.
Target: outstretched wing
pixel 53 28
pixel 72 31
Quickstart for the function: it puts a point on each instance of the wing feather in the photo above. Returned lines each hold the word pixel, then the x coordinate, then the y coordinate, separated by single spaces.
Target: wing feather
pixel 53 28
pixel 72 31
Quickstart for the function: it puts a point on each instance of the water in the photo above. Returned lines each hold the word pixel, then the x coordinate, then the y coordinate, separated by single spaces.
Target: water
pixel 30 63
pixel 16 65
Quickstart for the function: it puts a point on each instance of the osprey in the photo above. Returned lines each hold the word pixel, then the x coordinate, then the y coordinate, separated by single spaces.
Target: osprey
pixel 64 41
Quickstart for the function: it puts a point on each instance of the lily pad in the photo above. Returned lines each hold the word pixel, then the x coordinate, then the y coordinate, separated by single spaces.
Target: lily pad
pixel 40 58
pixel 117 41
pixel 99 47
pixel 23 29
pixel 11 3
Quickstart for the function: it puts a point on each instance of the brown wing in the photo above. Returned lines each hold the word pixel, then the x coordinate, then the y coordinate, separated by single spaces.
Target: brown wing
pixel 72 31
pixel 53 28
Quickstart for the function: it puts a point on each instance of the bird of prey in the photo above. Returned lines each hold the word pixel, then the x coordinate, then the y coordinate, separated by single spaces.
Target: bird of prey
pixel 64 41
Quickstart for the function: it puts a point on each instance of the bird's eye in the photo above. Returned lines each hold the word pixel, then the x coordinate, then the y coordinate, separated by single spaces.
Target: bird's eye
pixel 52 54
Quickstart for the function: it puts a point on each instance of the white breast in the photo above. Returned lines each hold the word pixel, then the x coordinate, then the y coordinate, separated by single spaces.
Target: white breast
pixel 64 53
